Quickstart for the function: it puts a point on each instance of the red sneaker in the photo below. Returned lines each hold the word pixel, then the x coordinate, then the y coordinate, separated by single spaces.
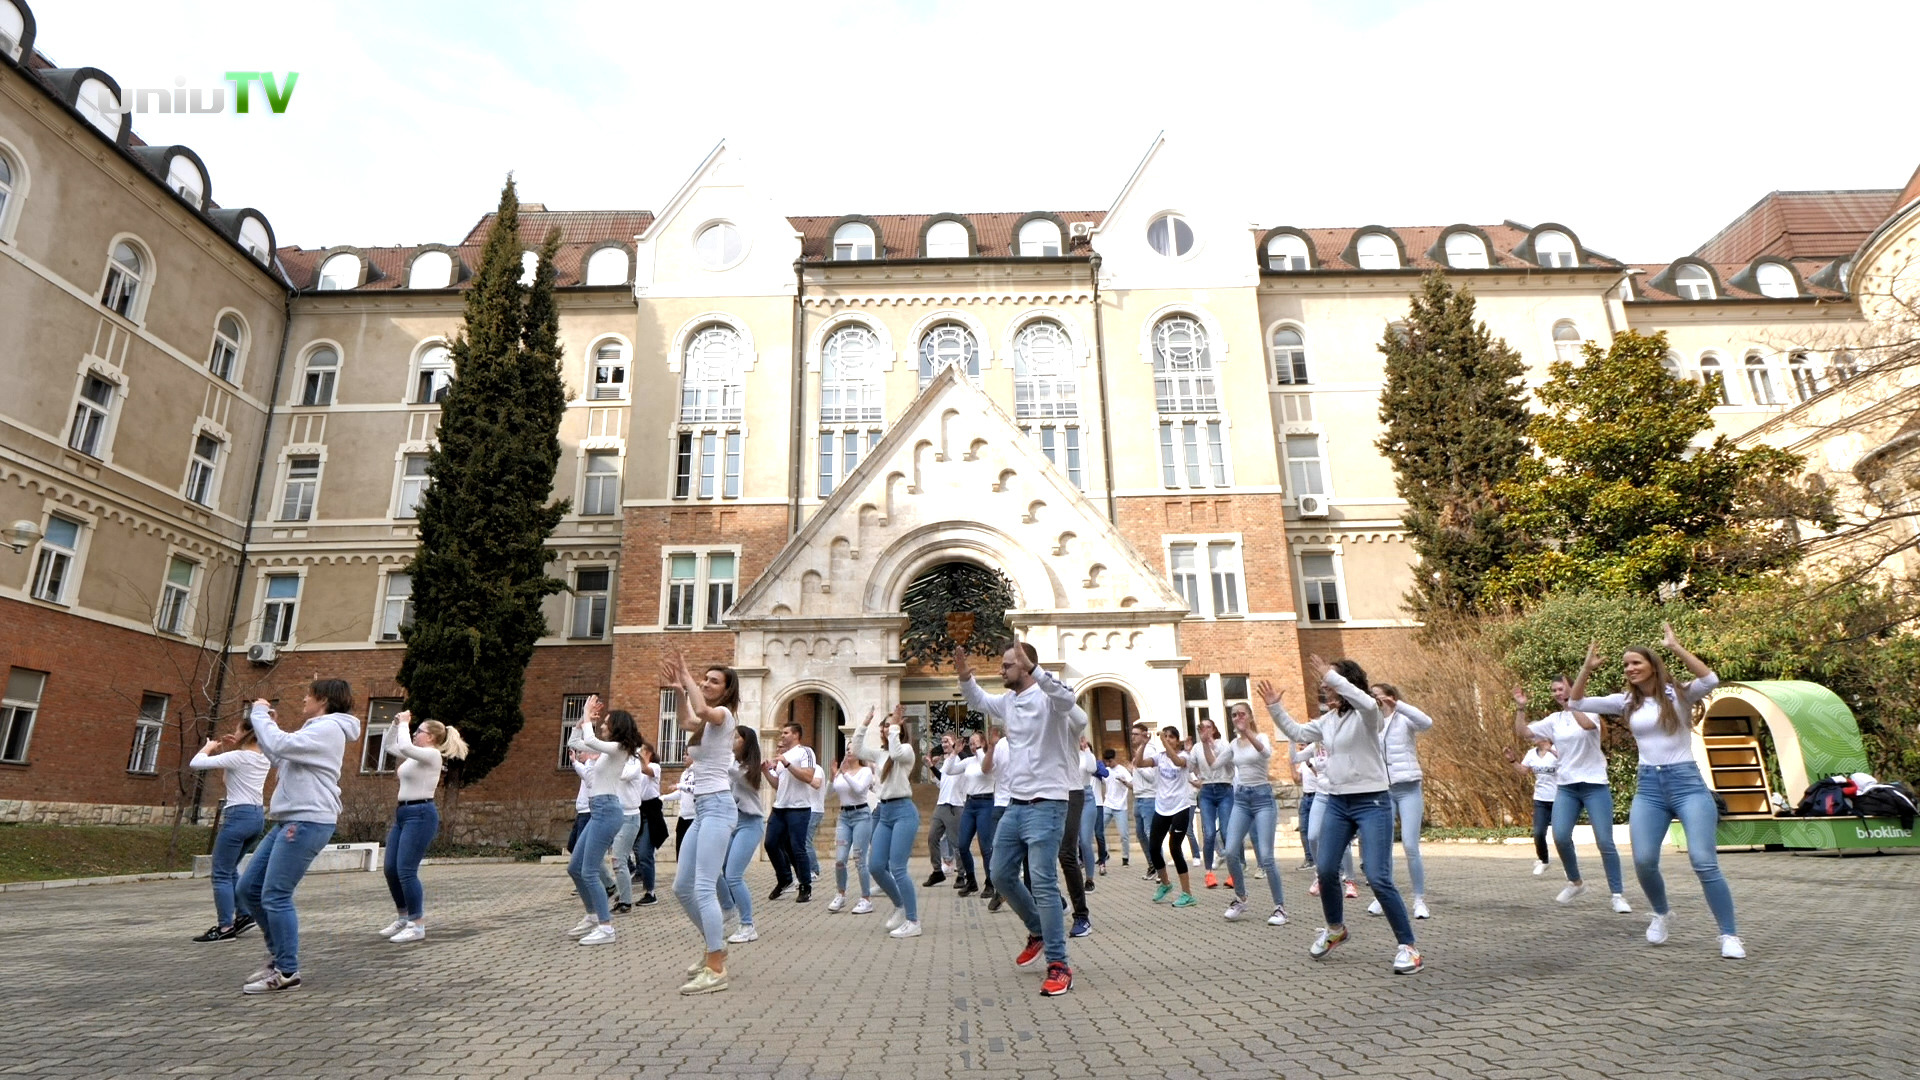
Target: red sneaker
pixel 1029 954
pixel 1059 980
pixel 1212 882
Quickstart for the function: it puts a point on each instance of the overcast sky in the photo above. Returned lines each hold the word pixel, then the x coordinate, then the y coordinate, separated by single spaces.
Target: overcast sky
pixel 1644 127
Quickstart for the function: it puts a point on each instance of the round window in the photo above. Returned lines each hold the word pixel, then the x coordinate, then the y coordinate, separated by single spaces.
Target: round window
pixel 1170 235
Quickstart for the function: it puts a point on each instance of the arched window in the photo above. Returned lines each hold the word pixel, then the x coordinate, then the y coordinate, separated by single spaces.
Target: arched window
pixel 13 27
pixel 949 345
pixel 1183 367
pixel 1377 251
pixel 255 238
pixel 1170 235
pixel 947 240
pixel 1693 283
pixel 1760 380
pixel 609 371
pixel 851 388
pixel 1465 251
pixel 710 377
pixel 1043 372
pixel 529 267
pixel 125 271
pixel 6 189
pixel 226 348
pixel 1287 252
pixel 608 266
pixel 436 375
pixel 1567 341
pixel 1289 357
pixel 101 106
pixel 1715 378
pixel 852 241
pixel 340 272
pixel 430 270
pixel 323 368
pixel 1671 364
pixel 1805 382
pixel 1040 237
pixel 1775 280
pixel 1551 247
pixel 1843 368
pixel 184 177
pixel 719 245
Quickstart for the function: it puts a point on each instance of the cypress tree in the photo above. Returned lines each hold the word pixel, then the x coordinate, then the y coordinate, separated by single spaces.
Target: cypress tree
pixel 1455 416
pixel 480 572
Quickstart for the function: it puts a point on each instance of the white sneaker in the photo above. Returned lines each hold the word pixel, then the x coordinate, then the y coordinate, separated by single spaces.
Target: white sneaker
pixel 587 925
pixel 864 907
pixel 1620 905
pixel 602 935
pixel 697 966
pixel 745 934
pixel 410 932
pixel 839 901
pixel 1539 868
pixel 265 970
pixel 1420 908
pixel 1731 948
pixel 1570 893
pixel 1235 910
pixel 1657 930
pixel 894 920
pixel 393 928
pixel 905 930
pixel 1278 918
pixel 1375 908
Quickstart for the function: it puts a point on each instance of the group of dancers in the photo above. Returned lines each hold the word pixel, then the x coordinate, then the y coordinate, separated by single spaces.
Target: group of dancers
pixel 1027 791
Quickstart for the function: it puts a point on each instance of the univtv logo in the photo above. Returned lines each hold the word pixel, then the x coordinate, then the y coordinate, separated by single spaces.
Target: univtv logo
pixel 180 99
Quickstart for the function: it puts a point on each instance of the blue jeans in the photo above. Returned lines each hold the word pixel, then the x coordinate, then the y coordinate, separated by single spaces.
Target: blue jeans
pixel 748 830
pixel 1037 827
pixel 894 826
pixel 1143 823
pixel 1100 822
pixel 786 838
pixel 1089 809
pixel 1216 802
pixel 853 839
pixel 603 824
pixel 1306 815
pixel 642 869
pixel 1316 825
pixel 1597 799
pixel 414 827
pixel 1410 806
pixel 1369 815
pixel 976 822
pixel 266 889
pixel 1255 812
pixel 1676 792
pixel 620 877
pixel 813 855
pixel 239 825
pixel 703 858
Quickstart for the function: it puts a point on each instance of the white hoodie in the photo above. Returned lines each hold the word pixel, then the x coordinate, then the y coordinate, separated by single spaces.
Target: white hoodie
pixel 309 761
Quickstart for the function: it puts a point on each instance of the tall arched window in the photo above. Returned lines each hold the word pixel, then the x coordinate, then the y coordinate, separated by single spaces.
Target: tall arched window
pixel 1183 367
pixel 852 403
pixel 609 371
pixel 1040 237
pixel 1760 380
pixel 949 345
pixel 947 240
pixel 6 189
pixel 1043 371
pixel 1551 247
pixel 1465 251
pixel 1287 252
pixel 339 272
pixel 711 390
pixel 323 368
pixel 125 271
pixel 1775 280
pixel 430 270
pixel 853 241
pixel 1567 341
pixel 1715 377
pixel 1671 364
pixel 1806 382
pixel 1289 357
pixel 1693 283
pixel 436 375
pixel 1377 251
pixel 225 353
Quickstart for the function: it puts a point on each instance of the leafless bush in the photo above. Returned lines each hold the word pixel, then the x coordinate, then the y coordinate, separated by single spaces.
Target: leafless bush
pixel 1459 678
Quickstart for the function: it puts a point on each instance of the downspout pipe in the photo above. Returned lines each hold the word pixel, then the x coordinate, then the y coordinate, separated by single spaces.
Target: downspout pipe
pixel 1100 368
pixel 796 444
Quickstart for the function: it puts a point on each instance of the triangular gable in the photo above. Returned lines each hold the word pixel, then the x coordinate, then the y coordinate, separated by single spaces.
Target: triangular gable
pixel 956 478
pixel 1176 178
pixel 679 201
pixel 720 190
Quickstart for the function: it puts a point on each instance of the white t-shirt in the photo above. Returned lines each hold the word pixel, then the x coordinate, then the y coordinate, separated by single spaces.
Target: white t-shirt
pixel 851 787
pixel 794 793
pixel 1144 784
pixel 1221 769
pixel 1656 746
pixel 648 782
pixel 1250 758
pixel 1089 765
pixel 708 762
pixel 1172 793
pixel 1114 790
pixel 1577 750
pixel 974 781
pixel 246 772
pixel 1545 767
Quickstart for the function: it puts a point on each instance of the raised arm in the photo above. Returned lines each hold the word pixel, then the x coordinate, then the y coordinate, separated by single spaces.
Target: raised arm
pixel 1521 725
pixel 1704 680
pixel 308 746
pixel 986 756
pixel 1277 710
pixel 1415 719
pixel 1515 763
pixel 1059 694
pixel 398 741
pixel 693 701
pixel 978 700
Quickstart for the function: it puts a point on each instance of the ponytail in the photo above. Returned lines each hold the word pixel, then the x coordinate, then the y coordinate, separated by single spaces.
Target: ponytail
pixel 446 739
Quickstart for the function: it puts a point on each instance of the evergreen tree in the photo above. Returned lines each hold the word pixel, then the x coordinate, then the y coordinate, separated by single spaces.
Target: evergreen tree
pixel 1624 503
pixel 479 574
pixel 1455 417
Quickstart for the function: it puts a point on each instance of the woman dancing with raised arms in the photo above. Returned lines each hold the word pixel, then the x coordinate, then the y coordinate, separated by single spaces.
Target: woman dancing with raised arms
pixel 1254 813
pixel 1353 799
pixel 416 820
pixel 853 832
pixel 1670 786
pixel 1581 777
pixel 706 709
pixel 615 737
pixel 242 819
pixel 896 821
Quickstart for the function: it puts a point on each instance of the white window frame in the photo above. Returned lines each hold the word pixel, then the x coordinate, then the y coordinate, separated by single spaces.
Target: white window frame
pixel 598 262
pixel 1296 485
pixel 396 609
pixel 718 394
pixel 953 241
pixel 123 291
pixel 1555 257
pixel 838 451
pixel 410 487
pixel 330 278
pixel 930 358
pixel 263 602
pixel 92 423
pixel 149 729
pixel 847 246
pixel 307 373
pixel 1200 547
pixel 1782 278
pixel 1188 383
pixel 1688 287
pixel 1339 581
pixel 1288 253
pixel 1049 389
pixel 582 603
pixel 672 743
pixel 1759 373
pixel 1376 251
pixel 13 192
pixel 595 498
pixel 707 463
pixel 1196 452
pixel 373 756
pixel 1167 245
pixel 1803 376
pixel 1712 366
pixel 56 568
pixel 203 474
pixel 573 707
pixel 12 708
pixel 1295 356
pixel 1054 239
pixel 609 369
pixel 176 609
pixel 699 613
pixel 1567 349
pixel 418 392
pixel 442 277
pixel 227 351
pixel 1466 251
pixel 1062 444
pixel 287 457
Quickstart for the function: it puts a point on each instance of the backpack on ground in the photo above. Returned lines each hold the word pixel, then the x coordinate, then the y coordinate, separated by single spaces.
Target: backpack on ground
pixel 1894 800
pixel 1826 798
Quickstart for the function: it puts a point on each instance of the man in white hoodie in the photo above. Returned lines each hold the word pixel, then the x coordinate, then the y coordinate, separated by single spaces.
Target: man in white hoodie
pixel 306 807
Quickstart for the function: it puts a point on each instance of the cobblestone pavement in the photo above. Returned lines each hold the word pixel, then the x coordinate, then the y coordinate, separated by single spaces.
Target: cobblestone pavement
pixel 102 981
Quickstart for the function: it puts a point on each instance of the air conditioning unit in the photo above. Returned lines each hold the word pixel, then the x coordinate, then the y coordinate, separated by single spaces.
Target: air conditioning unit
pixel 1081 228
pixel 1311 505
pixel 263 653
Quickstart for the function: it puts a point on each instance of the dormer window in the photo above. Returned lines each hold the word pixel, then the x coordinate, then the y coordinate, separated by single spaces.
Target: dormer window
pixel 1465 251
pixel 1553 248
pixel 430 270
pixel 13 27
pixel 1377 251
pixel 1170 235
pixel 1775 280
pixel 529 267
pixel 255 238
pixel 853 242
pixel 101 106
pixel 608 266
pixel 185 179
pixel 339 273
pixel 1039 237
pixel 947 240
pixel 718 246
pixel 1693 283
pixel 1287 252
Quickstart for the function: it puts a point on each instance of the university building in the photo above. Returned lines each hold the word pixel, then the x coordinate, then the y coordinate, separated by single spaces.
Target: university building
pixel 1156 418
